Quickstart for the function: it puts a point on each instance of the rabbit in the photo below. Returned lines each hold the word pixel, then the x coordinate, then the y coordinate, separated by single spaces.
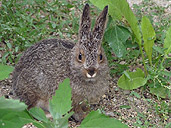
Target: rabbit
pixel 47 63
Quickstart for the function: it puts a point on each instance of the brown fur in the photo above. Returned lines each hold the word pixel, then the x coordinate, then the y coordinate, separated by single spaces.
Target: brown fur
pixel 48 62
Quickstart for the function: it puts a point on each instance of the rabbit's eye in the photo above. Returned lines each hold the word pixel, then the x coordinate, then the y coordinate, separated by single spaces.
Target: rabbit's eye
pixel 80 57
pixel 101 57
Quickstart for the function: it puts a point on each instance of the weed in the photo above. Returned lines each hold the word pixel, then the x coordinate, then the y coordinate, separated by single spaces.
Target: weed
pixel 26 22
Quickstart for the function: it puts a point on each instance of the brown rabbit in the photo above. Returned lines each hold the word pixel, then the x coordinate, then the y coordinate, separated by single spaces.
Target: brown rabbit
pixel 48 62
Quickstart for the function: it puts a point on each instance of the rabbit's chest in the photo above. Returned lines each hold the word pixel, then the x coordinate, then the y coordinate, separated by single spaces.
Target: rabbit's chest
pixel 90 91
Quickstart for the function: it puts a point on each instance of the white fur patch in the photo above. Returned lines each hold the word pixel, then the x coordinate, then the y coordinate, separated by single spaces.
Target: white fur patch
pixel 89 76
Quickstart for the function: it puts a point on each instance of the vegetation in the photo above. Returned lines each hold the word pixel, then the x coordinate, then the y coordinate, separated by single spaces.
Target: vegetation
pixel 14 113
pixel 155 76
pixel 138 47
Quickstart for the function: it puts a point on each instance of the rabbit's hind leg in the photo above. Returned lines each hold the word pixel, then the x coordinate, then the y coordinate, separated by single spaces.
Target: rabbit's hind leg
pixel 44 104
pixel 27 96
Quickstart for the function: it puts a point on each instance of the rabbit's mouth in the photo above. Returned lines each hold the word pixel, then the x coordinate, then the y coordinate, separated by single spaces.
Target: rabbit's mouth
pixel 91 76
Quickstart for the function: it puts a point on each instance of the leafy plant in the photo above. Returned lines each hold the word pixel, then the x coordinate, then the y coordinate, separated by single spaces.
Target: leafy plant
pixel 14 113
pixel 148 37
pixel 153 71
pixel 167 43
pixel 117 36
pixel 97 120
pixel 59 107
pixel 132 80
pixel 5 70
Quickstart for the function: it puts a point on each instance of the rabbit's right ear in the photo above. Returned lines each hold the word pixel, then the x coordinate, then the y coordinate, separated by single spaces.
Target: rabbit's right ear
pixel 85 24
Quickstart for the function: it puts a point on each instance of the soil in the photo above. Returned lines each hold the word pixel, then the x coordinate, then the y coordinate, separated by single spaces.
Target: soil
pixel 118 103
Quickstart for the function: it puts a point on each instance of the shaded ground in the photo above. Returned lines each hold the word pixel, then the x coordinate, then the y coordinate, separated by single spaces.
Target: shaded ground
pixel 134 110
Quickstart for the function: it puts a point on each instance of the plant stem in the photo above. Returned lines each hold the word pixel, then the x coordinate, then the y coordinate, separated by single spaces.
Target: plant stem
pixel 145 68
pixel 163 59
pixel 157 62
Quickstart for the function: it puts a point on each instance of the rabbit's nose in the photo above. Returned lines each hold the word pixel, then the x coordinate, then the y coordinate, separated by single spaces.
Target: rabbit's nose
pixel 91 72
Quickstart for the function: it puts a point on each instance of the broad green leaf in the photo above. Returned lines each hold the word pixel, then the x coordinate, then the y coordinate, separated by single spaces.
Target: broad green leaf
pixel 148 36
pixel 167 41
pixel 5 70
pixel 136 80
pixel 18 122
pixel 15 119
pixel 61 102
pixel 39 114
pixel 159 91
pixel 63 122
pixel 116 36
pixel 98 120
pixel 113 10
pixel 13 114
pixel 119 9
pixel 127 75
pixel 11 104
pixel 8 114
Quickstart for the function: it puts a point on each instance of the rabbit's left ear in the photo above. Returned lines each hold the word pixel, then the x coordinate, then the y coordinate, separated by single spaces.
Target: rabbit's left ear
pixel 85 24
pixel 100 24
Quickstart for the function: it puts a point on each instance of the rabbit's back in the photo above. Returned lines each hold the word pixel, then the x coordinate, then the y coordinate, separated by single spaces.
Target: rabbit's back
pixel 40 69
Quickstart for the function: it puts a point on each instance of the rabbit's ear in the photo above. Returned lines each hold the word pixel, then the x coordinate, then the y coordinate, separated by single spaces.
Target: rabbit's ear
pixel 100 25
pixel 85 24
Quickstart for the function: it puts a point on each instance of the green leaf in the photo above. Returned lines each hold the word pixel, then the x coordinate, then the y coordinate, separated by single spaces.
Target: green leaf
pixel 148 36
pixel 12 104
pixel 136 80
pixel 13 114
pixel 116 36
pixel 10 118
pixel 9 45
pixel 160 91
pixel 63 122
pixel 119 9
pixel 39 114
pixel 127 75
pixel 14 119
pixel 98 120
pixel 158 49
pixel 166 73
pixel 5 70
pixel 135 94
pixel 113 11
pixel 61 102
pixel 167 41
pixel 168 125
